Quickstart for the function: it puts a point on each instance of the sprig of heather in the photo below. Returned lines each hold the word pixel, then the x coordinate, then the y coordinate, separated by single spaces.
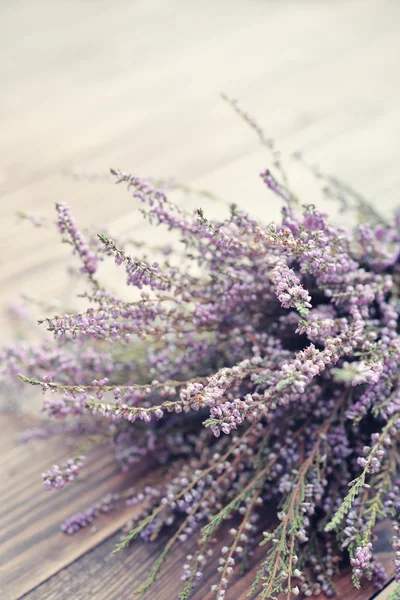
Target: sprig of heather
pixel 258 366
pixel 67 226
pixel 56 477
pixel 138 272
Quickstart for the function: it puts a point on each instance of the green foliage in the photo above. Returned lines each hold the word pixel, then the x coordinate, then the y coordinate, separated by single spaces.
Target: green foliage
pixel 187 590
pixel 395 594
pixel 133 534
pixel 347 503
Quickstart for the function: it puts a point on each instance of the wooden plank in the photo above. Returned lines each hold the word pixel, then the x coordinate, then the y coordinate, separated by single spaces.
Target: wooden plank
pixel 102 575
pixel 33 547
pixel 92 91
pixel 37 556
pixel 385 594
pixel 147 100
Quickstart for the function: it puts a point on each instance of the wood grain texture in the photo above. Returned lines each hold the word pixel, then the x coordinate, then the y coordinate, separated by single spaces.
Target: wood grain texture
pixel 90 85
pixel 32 546
pixel 104 576
pixel 39 562
pixel 385 594
pixel 135 85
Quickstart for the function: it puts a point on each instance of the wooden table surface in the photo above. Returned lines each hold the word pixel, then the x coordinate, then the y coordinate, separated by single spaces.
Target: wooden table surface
pixel 87 85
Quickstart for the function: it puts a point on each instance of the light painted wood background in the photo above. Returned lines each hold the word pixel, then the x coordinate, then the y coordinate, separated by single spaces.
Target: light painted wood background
pixel 86 85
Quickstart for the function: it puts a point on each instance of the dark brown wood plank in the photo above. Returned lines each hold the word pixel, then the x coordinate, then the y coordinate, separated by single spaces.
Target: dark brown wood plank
pixel 32 546
pixel 105 576
pixel 34 550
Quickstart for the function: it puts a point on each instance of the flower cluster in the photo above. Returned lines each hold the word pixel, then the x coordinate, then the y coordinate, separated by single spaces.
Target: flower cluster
pixel 58 476
pixel 258 365
pixel 67 225
pixel 289 291
pixel 362 559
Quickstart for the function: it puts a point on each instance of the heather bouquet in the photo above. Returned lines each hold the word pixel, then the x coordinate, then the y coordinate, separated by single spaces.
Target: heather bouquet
pixel 258 363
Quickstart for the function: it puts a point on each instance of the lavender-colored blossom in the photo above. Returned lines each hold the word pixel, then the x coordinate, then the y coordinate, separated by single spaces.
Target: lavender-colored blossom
pixel 362 558
pixel 57 476
pixel 289 290
pixel 67 225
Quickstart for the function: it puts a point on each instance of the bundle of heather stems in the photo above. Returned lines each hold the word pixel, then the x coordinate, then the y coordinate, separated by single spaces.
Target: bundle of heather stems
pixel 258 364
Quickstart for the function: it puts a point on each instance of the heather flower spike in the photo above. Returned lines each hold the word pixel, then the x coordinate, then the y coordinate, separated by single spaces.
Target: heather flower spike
pixel 258 365
pixel 57 476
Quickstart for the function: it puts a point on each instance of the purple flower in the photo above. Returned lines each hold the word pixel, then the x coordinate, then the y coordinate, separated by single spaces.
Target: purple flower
pixel 58 476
